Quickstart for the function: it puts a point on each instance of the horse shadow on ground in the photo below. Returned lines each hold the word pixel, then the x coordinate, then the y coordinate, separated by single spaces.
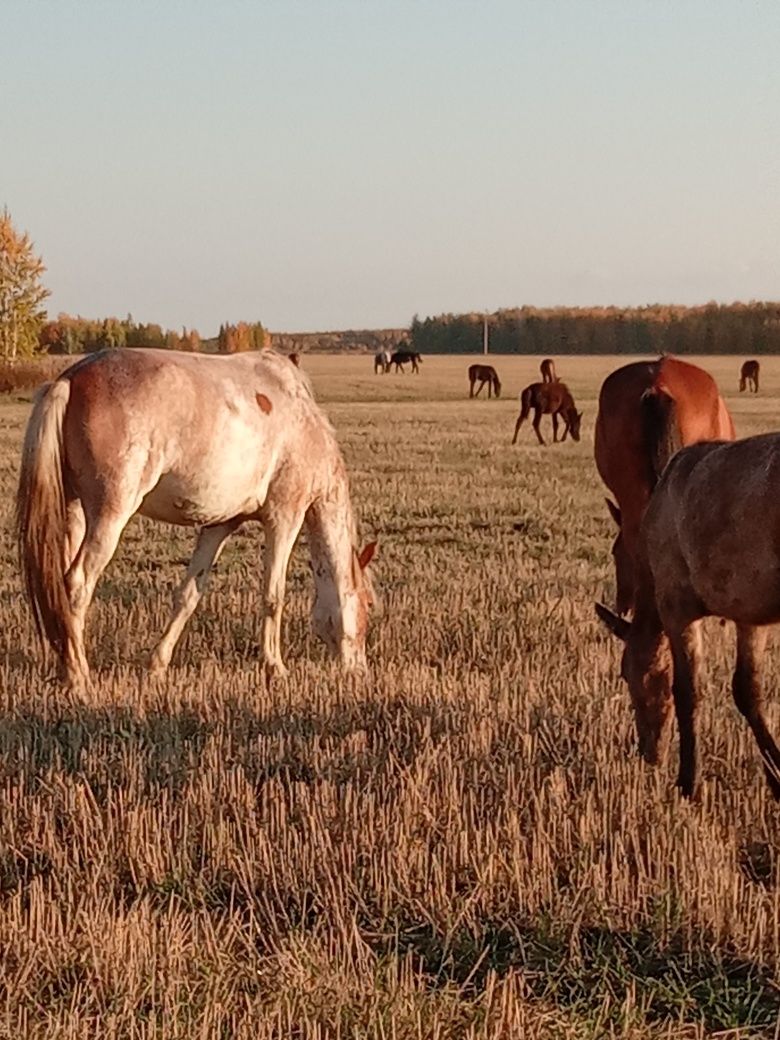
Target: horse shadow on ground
pixel 584 970
pixel 598 971
pixel 95 744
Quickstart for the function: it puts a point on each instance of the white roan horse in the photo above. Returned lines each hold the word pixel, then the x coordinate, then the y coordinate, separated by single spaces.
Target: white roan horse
pixel 196 440
pixel 382 362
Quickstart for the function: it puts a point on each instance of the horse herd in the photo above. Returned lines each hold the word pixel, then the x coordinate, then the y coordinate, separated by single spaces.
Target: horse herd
pixel 696 511
pixel 384 361
pixel 550 397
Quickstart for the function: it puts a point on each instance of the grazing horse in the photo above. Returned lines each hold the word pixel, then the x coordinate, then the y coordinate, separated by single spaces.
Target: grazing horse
pixel 296 359
pixel 484 374
pixel 549 399
pixel 196 440
pixel 748 376
pixel 708 547
pixel 547 368
pixel 405 357
pixel 382 362
pixel 647 410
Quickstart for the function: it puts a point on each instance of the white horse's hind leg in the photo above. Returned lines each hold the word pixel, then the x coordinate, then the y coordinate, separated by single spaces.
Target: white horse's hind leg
pixel 97 547
pixel 280 535
pixel 207 550
pixel 77 529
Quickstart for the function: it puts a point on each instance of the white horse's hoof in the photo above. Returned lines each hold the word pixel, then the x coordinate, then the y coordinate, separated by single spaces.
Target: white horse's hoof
pixel 156 666
pixel 274 670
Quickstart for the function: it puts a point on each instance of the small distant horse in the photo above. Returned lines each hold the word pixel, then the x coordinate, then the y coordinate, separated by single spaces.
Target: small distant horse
pixel 748 376
pixel 296 359
pixel 547 368
pixel 382 362
pixel 114 435
pixel 549 399
pixel 405 357
pixel 484 374
pixel 647 410
pixel 708 547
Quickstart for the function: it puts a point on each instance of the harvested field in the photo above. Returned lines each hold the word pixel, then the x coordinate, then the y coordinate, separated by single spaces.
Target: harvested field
pixel 464 845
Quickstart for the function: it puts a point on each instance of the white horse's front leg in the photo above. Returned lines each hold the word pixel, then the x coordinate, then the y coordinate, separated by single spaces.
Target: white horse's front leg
pixel 207 549
pixel 280 535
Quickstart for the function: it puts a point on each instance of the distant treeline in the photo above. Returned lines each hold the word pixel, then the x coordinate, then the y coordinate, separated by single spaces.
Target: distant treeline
pixel 739 328
pixel 351 340
pixel 749 328
pixel 77 335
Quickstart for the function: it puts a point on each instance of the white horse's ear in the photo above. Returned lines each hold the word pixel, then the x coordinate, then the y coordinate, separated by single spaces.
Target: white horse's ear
pixel 366 555
pixel 616 624
pixel 614 511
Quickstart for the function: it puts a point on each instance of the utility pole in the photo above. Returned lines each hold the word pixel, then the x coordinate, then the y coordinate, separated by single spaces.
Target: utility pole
pixel 485 334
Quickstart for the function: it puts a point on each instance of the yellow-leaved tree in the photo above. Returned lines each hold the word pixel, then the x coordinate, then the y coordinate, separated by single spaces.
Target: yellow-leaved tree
pixel 21 293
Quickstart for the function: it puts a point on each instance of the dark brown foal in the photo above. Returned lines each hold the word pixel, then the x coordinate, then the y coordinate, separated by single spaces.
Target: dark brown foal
pixel 748 376
pixel 484 374
pixel 551 399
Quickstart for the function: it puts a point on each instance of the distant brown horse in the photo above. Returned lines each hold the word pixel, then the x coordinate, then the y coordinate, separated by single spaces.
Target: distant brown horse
pixel 484 374
pixel 548 371
pixel 405 357
pixel 748 376
pixel 647 410
pixel 708 546
pixel 549 399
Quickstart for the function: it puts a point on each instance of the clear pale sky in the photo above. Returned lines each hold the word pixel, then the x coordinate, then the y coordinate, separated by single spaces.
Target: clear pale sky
pixel 327 165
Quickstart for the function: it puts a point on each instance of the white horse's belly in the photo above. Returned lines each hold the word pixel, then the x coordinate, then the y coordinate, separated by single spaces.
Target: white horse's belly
pixel 201 499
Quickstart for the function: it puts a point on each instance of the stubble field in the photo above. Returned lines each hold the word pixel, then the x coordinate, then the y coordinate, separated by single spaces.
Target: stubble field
pixel 463 845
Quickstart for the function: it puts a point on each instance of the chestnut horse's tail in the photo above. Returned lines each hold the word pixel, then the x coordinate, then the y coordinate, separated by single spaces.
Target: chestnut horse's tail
pixel 526 402
pixel 41 515
pixel 661 430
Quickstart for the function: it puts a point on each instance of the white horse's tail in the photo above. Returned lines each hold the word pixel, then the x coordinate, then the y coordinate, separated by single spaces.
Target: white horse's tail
pixel 41 515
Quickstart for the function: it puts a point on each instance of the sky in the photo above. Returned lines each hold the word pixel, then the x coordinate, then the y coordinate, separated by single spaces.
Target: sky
pixel 352 163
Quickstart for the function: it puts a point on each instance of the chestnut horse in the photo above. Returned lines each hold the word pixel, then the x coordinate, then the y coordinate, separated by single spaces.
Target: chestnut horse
pixel 647 410
pixel 748 376
pixel 549 399
pixel 484 374
pixel 708 547
pixel 197 440
pixel 547 369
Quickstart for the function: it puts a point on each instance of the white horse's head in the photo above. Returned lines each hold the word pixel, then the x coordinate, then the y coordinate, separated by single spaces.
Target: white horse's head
pixel 340 615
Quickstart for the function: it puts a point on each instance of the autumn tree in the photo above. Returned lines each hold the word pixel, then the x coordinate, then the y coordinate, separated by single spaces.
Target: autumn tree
pixel 234 339
pixel 21 292
pixel 189 340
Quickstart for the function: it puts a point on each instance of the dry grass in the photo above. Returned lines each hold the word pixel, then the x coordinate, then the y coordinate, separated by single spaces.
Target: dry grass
pixel 463 846
pixel 28 375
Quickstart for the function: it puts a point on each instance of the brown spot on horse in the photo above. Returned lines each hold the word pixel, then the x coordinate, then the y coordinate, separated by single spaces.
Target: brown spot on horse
pixel 265 403
pixel 708 547
pixel 549 399
pixel 647 411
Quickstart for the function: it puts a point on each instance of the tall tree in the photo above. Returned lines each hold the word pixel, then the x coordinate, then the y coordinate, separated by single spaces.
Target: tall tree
pixel 21 292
